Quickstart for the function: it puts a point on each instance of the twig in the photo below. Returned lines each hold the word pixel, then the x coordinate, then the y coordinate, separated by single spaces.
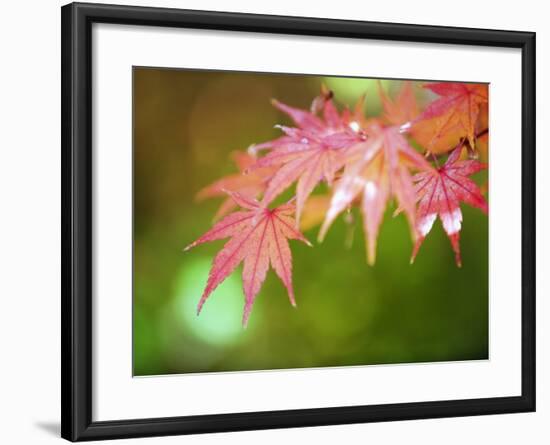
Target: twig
pixel 463 142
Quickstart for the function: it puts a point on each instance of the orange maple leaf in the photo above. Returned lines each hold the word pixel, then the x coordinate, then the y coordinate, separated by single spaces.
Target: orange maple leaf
pixel 457 109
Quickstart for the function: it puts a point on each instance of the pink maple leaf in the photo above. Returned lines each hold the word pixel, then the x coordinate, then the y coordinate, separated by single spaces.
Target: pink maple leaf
pixel 259 237
pixel 378 169
pixel 311 152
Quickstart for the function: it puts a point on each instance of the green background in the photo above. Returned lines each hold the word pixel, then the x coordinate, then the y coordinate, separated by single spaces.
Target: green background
pixel 186 123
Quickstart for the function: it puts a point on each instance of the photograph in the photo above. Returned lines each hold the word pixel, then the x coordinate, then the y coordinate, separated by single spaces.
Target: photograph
pixel 287 221
pixel 275 223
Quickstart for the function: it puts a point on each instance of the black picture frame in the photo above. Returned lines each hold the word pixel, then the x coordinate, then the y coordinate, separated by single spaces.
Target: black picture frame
pixel 76 130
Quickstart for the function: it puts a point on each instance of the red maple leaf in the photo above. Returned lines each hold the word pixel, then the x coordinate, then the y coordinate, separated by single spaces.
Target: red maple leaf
pixel 258 238
pixel 311 152
pixel 251 185
pixel 380 169
pixel 440 191
pixel 457 108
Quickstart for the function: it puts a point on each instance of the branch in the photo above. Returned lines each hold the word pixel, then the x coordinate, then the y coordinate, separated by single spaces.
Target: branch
pixel 463 142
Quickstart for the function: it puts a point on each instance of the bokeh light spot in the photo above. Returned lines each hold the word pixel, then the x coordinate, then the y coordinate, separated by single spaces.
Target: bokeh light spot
pixel 219 322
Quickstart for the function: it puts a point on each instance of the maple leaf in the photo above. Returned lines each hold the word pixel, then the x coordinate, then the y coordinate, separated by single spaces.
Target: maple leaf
pixel 402 110
pixel 251 185
pixel 259 237
pixel 440 191
pixel 457 109
pixel 381 170
pixel 312 152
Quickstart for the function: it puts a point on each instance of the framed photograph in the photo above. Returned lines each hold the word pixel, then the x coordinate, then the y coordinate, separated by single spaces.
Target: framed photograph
pixel 275 222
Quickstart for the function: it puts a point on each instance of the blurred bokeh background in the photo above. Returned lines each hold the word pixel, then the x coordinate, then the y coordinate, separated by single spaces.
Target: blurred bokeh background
pixel 186 124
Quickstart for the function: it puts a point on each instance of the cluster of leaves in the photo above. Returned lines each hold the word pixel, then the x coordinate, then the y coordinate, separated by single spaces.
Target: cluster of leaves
pixel 365 162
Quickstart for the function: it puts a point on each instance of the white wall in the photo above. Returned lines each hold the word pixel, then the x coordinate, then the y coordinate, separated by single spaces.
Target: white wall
pixel 30 207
